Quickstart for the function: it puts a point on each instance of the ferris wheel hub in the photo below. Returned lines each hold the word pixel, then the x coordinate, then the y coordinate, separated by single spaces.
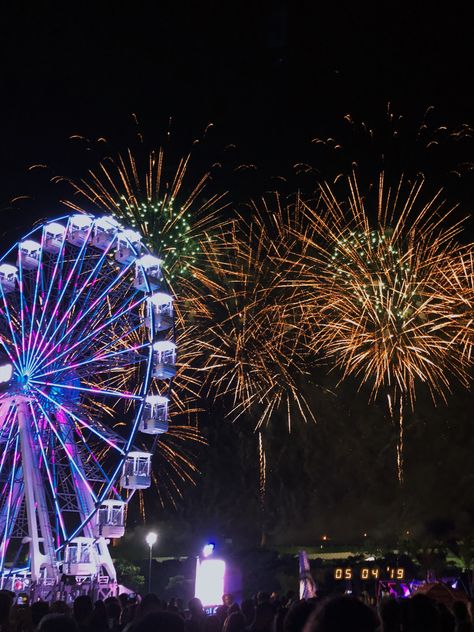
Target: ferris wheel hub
pixel 24 380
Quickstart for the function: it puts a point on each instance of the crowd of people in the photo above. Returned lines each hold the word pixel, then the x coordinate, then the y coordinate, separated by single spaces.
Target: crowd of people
pixel 263 613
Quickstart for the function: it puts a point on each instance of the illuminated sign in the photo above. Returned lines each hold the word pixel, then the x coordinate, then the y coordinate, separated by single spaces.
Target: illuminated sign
pixel 366 573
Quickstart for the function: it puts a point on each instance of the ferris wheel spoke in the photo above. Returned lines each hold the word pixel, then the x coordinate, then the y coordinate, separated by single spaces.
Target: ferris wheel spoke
pixel 39 275
pixel 48 472
pixel 107 290
pixel 57 270
pixel 130 320
pixel 87 284
pixel 125 317
pixel 98 358
pixel 96 461
pixel 81 421
pixel 74 465
pixel 22 306
pixel 94 391
pixel 94 333
pixel 78 262
pixel 98 303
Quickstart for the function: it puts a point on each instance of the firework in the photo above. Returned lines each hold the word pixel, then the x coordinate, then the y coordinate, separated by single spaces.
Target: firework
pixel 396 144
pixel 257 354
pixel 165 206
pixel 389 300
pixel 159 201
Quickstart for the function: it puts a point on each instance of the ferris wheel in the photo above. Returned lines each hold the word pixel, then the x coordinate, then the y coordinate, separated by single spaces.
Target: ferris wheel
pixel 87 358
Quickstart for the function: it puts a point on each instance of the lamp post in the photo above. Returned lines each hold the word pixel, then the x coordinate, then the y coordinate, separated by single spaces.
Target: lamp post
pixel 151 539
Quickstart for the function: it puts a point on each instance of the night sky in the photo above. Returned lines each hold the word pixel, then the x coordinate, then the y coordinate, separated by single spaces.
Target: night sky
pixel 270 76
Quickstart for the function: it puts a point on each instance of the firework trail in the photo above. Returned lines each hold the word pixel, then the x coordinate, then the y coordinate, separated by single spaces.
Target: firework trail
pixel 393 143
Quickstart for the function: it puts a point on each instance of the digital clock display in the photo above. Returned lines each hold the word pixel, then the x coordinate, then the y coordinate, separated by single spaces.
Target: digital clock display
pixel 366 573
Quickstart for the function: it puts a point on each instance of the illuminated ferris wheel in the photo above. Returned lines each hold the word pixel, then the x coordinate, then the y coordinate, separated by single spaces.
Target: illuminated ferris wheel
pixel 86 328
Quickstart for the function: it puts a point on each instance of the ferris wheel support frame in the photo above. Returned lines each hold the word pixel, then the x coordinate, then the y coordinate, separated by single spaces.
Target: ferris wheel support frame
pixel 35 500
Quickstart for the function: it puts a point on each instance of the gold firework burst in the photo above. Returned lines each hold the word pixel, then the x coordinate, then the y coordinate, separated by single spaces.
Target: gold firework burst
pixel 389 296
pixel 256 349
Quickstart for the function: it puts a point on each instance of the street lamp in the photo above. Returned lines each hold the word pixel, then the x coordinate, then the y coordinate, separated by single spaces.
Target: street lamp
pixel 151 539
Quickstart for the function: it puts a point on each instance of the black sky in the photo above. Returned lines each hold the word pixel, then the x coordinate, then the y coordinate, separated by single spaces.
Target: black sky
pixel 269 75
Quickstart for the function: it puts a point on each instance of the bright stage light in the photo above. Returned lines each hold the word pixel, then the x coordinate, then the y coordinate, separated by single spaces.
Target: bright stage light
pixel 209 586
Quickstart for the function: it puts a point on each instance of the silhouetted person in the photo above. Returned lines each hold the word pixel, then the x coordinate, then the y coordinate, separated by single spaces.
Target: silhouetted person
pixel 228 599
pixel 342 614
pixel 128 614
pixel 196 616
pixel 172 605
pixel 20 618
pixel 222 614
pixel 159 621
pixel 59 607
pixel 279 619
pixel 149 603
pixel 263 620
pixel 113 610
pixel 235 622
pixel 39 609
pixel 297 615
pixel 82 610
pixel 290 598
pixel 247 608
pixel 55 622
pixel 6 602
pixel 98 620
pixel 123 598
pixel 423 615
pixel 212 624
pixel 461 615
pixel 446 618
pixel 390 614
